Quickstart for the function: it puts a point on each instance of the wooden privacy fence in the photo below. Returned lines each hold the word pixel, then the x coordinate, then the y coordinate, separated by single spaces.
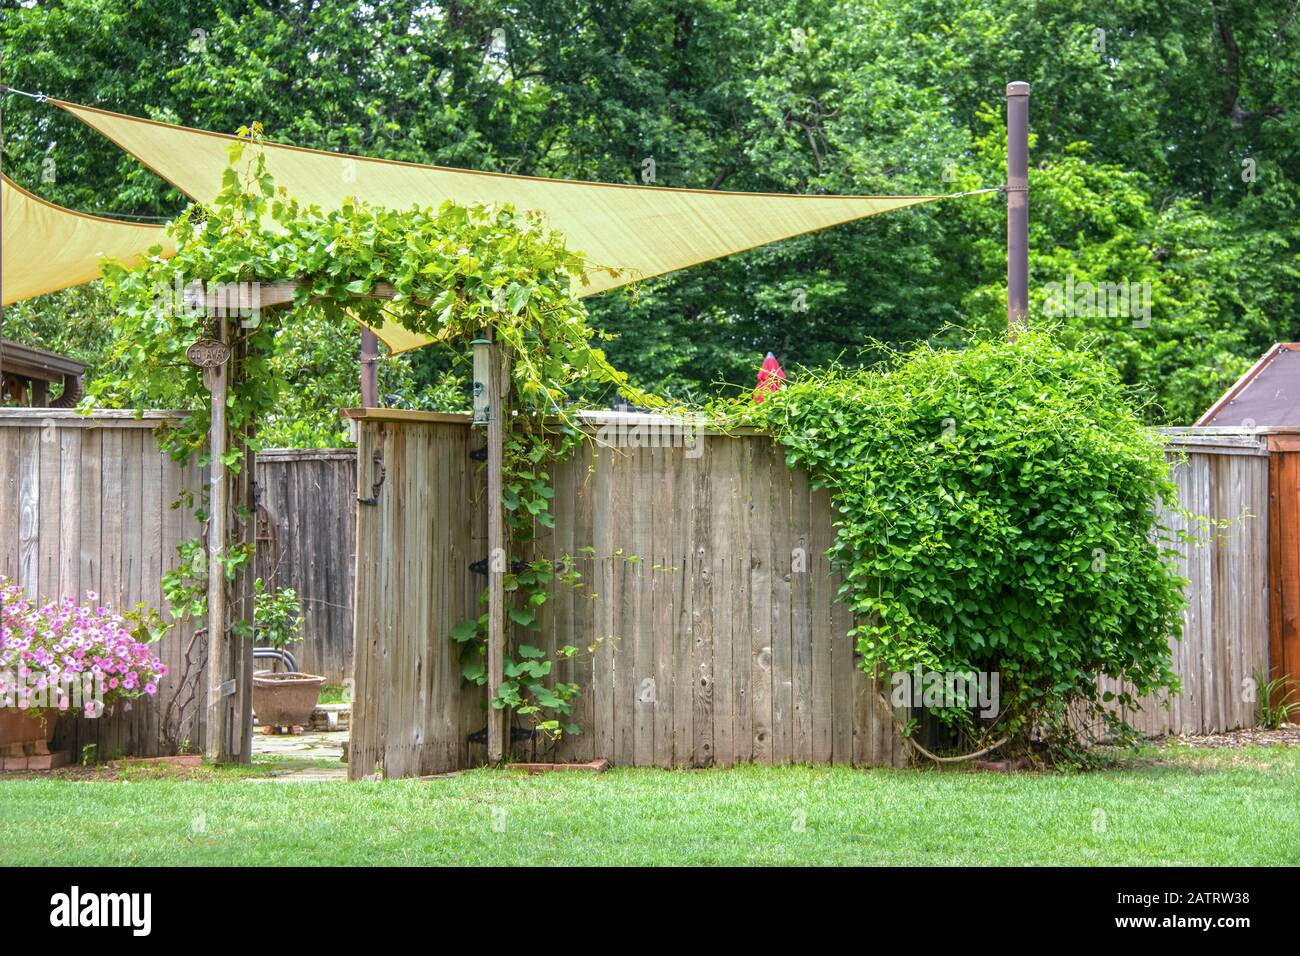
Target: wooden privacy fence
pixel 85 505
pixel 707 629
pixel 307 541
pixel 1225 643
pixel 708 647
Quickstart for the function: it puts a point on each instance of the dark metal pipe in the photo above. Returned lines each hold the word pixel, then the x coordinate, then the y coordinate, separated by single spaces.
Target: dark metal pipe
pixel 1017 206
pixel 369 369
pixel 271 653
pixel 71 393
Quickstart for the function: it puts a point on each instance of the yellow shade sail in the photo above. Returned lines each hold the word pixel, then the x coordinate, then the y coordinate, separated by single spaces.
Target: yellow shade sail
pixel 47 248
pixel 396 336
pixel 640 231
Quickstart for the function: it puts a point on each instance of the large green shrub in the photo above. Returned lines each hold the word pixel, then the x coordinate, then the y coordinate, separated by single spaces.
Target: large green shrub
pixel 995 512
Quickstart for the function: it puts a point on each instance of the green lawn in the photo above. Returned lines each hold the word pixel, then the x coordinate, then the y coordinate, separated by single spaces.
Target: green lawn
pixel 1160 807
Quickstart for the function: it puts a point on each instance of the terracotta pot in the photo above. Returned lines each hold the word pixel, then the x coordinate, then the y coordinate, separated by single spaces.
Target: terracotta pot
pixel 286 699
pixel 24 726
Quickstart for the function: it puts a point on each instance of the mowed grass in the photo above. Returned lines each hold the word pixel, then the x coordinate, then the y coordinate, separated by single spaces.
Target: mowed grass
pixel 1166 807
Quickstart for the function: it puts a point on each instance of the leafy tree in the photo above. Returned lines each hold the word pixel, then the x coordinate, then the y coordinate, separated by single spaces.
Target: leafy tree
pixel 1177 115
pixel 1203 296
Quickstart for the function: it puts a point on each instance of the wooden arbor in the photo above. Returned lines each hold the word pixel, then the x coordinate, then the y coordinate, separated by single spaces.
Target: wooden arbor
pixel 232 519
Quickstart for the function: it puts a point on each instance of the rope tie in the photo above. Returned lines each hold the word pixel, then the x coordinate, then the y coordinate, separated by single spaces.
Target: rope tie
pixel 38 97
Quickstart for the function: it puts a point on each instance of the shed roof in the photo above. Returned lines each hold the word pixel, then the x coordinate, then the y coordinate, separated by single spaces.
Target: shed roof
pixel 1268 394
pixel 29 362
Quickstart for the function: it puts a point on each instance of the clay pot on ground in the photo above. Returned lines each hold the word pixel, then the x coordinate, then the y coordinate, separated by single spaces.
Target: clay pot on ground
pixel 285 699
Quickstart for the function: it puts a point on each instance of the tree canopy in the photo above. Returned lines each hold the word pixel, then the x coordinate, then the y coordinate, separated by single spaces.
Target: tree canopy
pixel 1165 154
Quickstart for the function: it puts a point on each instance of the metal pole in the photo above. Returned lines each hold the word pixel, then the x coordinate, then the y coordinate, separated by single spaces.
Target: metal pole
pixel 1017 206
pixel 369 369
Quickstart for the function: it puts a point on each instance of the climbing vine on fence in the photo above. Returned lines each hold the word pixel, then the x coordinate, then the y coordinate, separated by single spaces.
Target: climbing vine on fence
pixel 995 513
pixel 457 271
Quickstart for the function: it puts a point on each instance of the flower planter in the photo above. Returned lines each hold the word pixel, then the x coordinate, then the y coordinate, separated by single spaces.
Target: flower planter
pixel 285 700
pixel 18 727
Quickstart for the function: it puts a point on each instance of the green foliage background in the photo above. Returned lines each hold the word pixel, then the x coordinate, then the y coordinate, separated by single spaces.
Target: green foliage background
pixel 1140 134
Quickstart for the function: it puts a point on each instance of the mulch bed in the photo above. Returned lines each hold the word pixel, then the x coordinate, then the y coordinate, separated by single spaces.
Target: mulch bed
pixel 185 767
pixel 1288 736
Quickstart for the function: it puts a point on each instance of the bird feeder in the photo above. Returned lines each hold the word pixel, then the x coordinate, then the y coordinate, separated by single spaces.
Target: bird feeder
pixel 482 395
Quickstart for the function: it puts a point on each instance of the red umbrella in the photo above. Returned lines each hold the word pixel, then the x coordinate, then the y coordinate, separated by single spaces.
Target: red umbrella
pixel 770 377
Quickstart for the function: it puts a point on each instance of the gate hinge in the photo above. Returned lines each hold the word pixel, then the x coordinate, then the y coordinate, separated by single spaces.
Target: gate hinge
pixel 380 474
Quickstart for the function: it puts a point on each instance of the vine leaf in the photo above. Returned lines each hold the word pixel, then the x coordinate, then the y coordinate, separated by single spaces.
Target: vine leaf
pixel 522 617
pixel 464 631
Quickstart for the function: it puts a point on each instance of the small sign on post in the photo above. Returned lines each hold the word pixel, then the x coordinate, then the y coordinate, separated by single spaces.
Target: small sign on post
pixel 211 355
pixel 208 353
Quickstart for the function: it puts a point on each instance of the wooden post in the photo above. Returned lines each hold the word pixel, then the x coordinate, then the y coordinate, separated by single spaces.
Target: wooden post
pixel 498 559
pixel 1017 206
pixel 241 525
pixel 217 744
